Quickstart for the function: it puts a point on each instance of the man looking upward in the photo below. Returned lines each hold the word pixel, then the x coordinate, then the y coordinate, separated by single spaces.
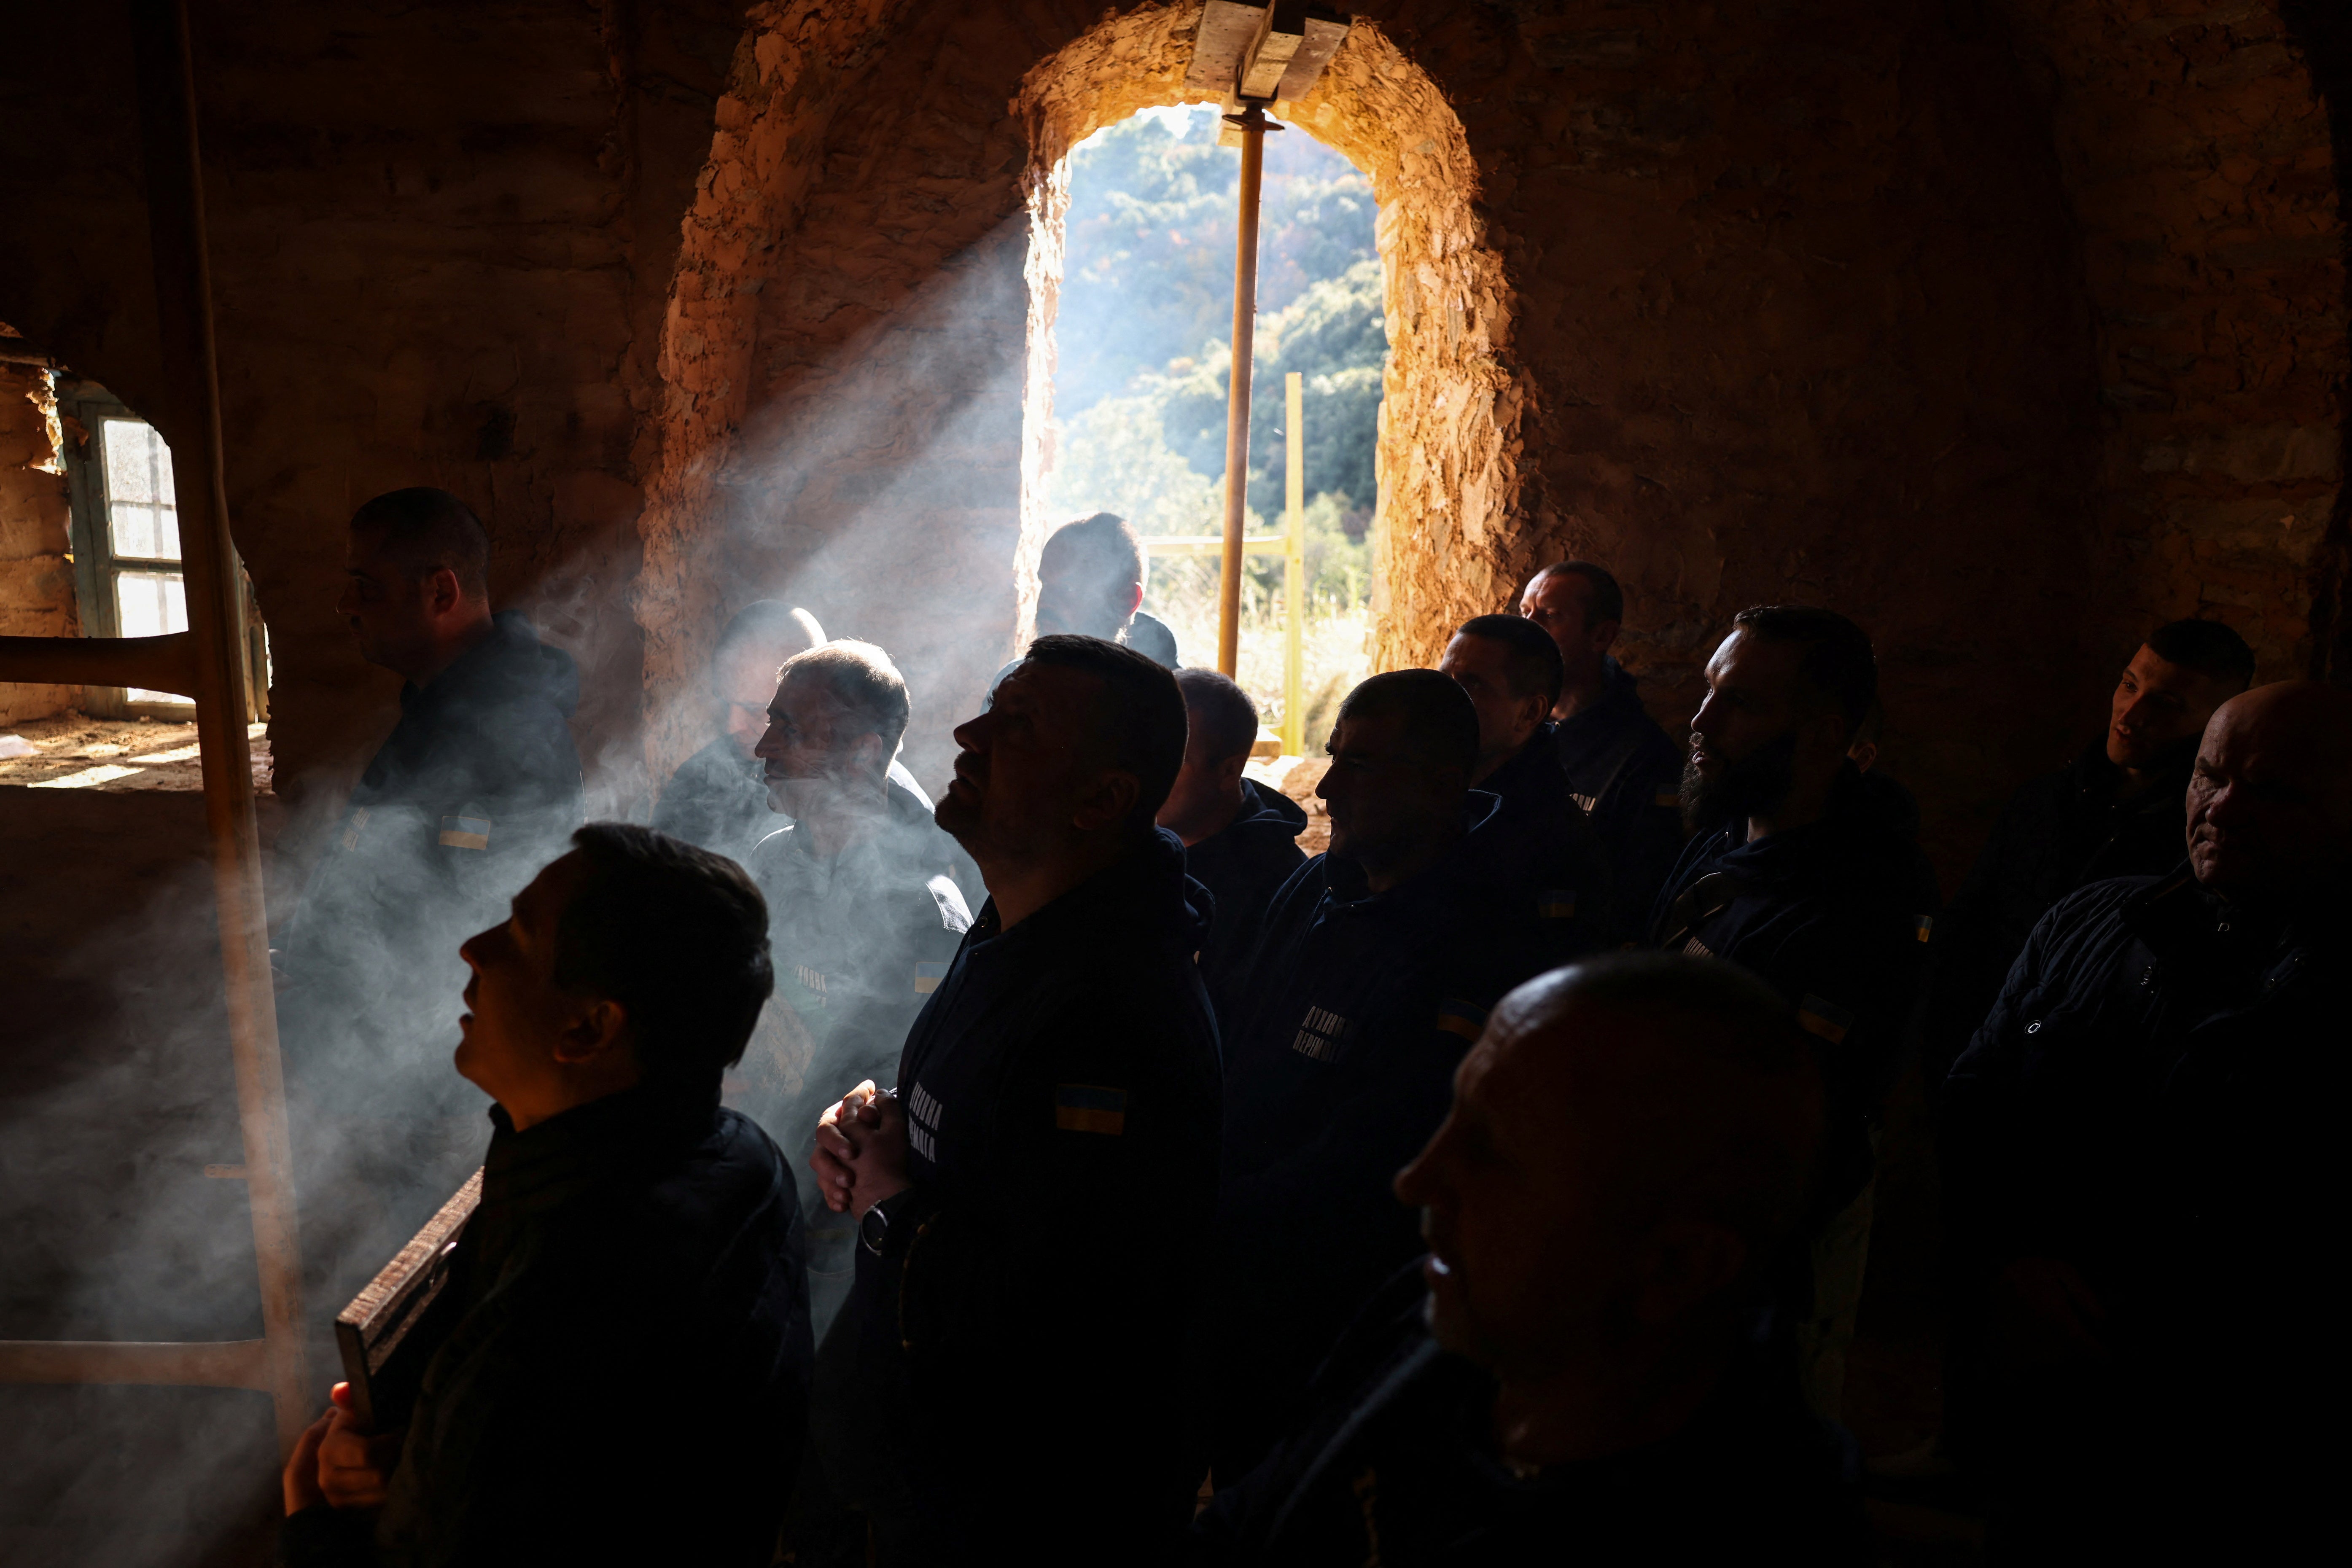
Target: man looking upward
pixel 1033 1199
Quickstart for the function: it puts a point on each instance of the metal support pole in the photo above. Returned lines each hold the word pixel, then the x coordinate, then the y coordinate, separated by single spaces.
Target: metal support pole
pixel 176 208
pixel 1294 569
pixel 1251 121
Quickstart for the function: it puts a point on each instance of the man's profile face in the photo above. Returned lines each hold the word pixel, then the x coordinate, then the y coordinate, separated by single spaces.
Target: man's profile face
pixel 1521 1256
pixel 1380 790
pixel 514 1012
pixel 1744 738
pixel 2269 807
pixel 743 681
pixel 388 611
pixel 1074 598
pixel 2160 706
pixel 810 746
pixel 1020 767
pixel 1562 606
pixel 1507 720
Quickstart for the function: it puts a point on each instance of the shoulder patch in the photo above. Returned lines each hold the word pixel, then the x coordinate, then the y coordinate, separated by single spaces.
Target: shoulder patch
pixel 955 915
pixel 928 977
pixel 466 833
pixel 1090 1108
pixel 1556 904
pixel 1923 927
pixel 1666 797
pixel 1819 1016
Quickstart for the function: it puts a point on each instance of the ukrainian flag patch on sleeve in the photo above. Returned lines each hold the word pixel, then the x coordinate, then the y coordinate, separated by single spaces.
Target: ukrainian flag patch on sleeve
pixel 466 832
pixel 1090 1108
pixel 1456 1016
pixel 1819 1016
pixel 1923 927
pixel 928 977
pixel 1556 904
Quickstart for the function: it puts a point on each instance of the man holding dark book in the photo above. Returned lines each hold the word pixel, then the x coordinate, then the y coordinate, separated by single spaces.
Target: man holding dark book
pixel 618 1367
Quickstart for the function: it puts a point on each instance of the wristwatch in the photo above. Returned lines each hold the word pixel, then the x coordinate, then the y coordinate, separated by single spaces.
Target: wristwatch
pixel 875 1228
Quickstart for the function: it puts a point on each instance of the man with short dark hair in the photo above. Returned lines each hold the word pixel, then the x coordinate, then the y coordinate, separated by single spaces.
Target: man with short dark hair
pixel 473 790
pixel 2142 1169
pixel 2114 812
pixel 1032 1197
pixel 1090 580
pixel 1241 838
pixel 1372 973
pixel 621 1371
pixel 1576 1368
pixel 1511 670
pixel 1622 768
pixel 1798 874
pixel 862 926
pixel 718 797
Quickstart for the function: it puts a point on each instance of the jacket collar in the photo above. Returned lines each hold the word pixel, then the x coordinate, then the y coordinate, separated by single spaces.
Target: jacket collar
pixel 553 1161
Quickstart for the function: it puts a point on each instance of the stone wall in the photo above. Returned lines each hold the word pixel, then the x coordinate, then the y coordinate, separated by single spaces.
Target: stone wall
pixel 36 587
pixel 2008 326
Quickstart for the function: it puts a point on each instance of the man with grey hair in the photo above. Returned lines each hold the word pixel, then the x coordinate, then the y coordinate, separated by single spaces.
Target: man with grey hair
pixel 1577 1367
pixel 718 798
pixel 863 923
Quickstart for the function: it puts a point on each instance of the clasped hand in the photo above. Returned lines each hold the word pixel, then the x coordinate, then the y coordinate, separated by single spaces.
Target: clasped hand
pixel 861 1151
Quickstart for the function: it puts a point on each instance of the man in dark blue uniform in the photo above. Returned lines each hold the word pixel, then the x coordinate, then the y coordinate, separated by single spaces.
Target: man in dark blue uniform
pixel 1241 838
pixel 862 925
pixel 476 788
pixel 719 798
pixel 619 1365
pixel 1510 671
pixel 2142 1165
pixel 2114 812
pixel 1090 579
pixel 1621 767
pixel 1575 1373
pixel 1797 875
pixel 1033 1197
pixel 1373 971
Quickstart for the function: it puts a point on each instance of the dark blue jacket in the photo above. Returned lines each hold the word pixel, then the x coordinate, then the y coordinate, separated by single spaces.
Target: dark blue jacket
pixel 1396 1465
pixel 2058 832
pixel 1028 1312
pixel 860 942
pixel 1244 865
pixel 1836 916
pixel 1360 1005
pixel 625 1378
pixel 1625 773
pixel 2156 1097
pixel 1540 808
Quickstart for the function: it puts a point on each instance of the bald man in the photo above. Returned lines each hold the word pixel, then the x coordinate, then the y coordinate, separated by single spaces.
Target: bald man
pixel 1574 1372
pixel 2139 1152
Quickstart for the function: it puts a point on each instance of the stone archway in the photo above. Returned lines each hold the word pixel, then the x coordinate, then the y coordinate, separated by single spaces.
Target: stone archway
pixel 1452 404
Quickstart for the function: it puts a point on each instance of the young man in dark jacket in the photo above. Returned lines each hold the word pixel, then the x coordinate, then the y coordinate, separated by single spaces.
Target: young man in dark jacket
pixel 2142 1167
pixel 1621 767
pixel 862 926
pixel 621 1359
pixel 1033 1198
pixel 1800 876
pixel 1241 838
pixel 475 789
pixel 2114 812
pixel 1510 671
pixel 1372 974
pixel 1576 1373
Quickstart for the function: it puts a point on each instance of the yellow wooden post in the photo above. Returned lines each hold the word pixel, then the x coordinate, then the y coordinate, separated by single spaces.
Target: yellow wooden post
pixel 1294 573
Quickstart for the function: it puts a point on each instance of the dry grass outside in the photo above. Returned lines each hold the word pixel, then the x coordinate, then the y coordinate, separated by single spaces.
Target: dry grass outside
pixel 1334 651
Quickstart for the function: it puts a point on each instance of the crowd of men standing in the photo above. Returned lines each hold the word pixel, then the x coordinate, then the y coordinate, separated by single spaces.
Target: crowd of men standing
pixel 946 1181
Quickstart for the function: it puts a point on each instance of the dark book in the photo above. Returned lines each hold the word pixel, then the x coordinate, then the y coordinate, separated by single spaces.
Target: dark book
pixel 392 1328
